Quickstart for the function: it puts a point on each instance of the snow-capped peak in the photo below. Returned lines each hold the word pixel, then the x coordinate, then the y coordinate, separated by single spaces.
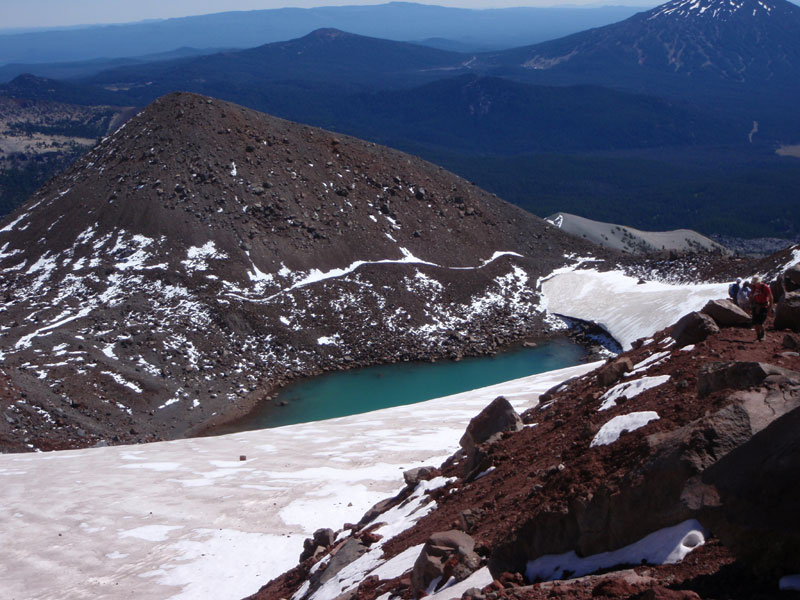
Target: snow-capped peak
pixel 712 8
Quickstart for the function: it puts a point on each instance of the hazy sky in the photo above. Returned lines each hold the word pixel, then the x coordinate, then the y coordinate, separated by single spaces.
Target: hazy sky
pixel 52 13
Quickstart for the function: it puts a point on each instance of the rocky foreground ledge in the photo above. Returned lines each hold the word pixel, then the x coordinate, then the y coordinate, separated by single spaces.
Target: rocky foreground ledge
pixel 672 471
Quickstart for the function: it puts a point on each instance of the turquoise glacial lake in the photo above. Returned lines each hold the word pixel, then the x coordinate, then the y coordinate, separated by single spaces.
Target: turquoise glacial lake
pixel 344 393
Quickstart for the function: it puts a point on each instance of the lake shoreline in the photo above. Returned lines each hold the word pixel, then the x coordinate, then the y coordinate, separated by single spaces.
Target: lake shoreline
pixel 266 401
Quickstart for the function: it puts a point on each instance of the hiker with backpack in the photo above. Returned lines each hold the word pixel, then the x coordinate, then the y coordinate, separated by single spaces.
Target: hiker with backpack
pixel 743 296
pixel 761 302
pixel 733 289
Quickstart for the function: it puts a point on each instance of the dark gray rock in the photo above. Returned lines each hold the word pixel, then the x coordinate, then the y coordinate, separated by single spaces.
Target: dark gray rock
pixel 478 460
pixel 378 509
pixel 757 486
pixel 790 342
pixel 726 314
pixel 446 554
pixel 791 278
pixel 549 394
pixel 718 376
pixel 787 312
pixel 324 537
pixel 470 518
pixel 413 476
pixel 310 549
pixel 693 329
pixel 613 371
pixel 346 554
pixel 498 417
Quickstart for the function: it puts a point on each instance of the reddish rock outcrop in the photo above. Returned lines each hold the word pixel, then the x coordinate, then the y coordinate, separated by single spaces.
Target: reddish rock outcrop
pixel 550 492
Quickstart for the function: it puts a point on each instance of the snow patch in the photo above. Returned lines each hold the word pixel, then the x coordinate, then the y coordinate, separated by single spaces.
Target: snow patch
pixel 139 256
pixel 333 340
pixel 197 257
pixel 630 389
pixel 622 306
pixel 122 381
pixel 610 432
pixel 666 546
pixel 25 341
pixel 650 361
pixel 479 579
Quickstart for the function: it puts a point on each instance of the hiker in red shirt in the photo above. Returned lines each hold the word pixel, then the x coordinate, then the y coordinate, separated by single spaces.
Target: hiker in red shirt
pixel 761 303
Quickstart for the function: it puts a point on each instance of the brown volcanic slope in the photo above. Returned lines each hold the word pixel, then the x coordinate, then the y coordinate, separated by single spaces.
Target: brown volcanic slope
pixel 205 253
pixel 546 490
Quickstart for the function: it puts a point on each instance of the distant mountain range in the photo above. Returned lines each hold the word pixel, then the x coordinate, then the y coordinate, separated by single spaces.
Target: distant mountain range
pixel 85 68
pixel 344 60
pixel 742 57
pixel 403 21
pixel 739 59
pixel 741 41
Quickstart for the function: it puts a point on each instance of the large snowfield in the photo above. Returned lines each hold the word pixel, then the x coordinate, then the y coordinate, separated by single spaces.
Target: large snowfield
pixel 218 517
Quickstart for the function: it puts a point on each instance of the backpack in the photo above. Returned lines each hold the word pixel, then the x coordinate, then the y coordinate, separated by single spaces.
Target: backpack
pixel 760 294
pixel 733 291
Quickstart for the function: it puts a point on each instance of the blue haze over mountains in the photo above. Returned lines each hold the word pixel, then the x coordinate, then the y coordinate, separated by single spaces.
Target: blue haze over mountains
pixel 645 122
pixel 454 28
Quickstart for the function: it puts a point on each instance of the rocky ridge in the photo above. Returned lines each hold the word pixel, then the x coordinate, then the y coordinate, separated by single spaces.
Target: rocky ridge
pixel 205 254
pixel 695 440
pixel 635 241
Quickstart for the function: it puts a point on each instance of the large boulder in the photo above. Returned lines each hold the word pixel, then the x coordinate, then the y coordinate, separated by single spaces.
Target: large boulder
pixel 738 375
pixel 726 314
pixel 791 278
pixel 412 477
pixel 693 329
pixel 790 342
pixel 379 508
pixel 613 371
pixel 757 485
pixel 345 555
pixel 446 554
pixel 559 387
pixel 787 312
pixel 496 418
pixel 778 288
pixel 323 539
